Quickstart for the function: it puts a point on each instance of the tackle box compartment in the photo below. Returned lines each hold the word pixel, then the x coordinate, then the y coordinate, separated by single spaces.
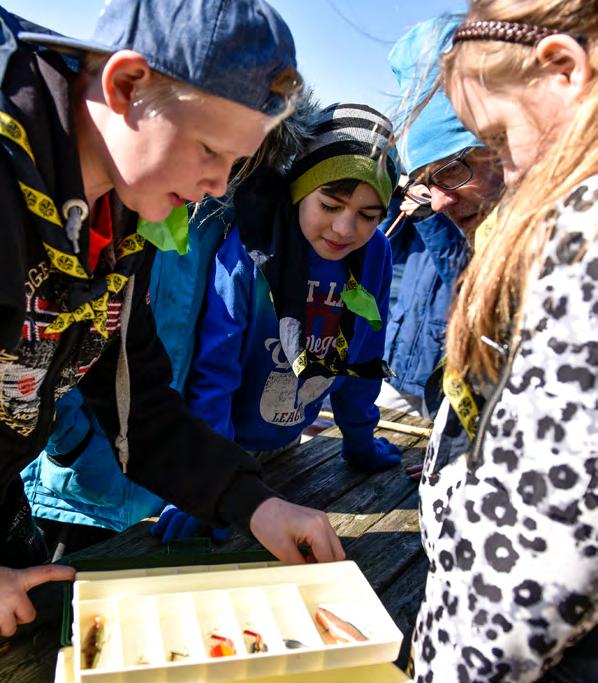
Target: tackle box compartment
pixel 158 623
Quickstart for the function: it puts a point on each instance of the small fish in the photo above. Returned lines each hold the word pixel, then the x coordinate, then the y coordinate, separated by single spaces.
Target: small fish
pixel 292 644
pixel 339 630
pixel 256 643
pixel 224 647
pixel 93 643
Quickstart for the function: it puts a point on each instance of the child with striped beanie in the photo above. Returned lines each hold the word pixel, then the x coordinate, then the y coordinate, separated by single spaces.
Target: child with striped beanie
pixel 349 141
pixel 297 297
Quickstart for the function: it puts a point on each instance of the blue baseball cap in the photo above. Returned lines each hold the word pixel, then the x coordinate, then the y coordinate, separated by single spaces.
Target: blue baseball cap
pixel 436 133
pixel 241 50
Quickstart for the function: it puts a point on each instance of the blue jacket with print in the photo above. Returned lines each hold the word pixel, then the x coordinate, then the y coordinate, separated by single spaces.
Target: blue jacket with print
pixel 242 384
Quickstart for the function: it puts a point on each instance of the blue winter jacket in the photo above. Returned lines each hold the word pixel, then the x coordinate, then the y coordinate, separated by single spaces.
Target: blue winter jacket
pixel 241 382
pixel 92 490
pixel 431 254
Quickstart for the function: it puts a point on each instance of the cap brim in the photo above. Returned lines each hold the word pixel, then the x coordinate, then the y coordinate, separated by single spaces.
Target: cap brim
pixel 67 46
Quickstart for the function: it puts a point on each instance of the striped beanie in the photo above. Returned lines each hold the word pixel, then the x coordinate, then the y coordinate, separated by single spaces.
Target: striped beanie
pixel 348 142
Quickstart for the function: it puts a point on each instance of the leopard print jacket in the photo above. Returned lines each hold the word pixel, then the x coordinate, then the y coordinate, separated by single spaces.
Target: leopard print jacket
pixel 513 545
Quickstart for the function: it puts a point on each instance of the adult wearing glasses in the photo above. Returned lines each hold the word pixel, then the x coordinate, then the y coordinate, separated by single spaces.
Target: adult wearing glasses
pixel 452 174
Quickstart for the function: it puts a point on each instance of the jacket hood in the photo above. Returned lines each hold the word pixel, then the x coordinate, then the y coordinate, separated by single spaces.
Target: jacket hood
pixel 436 132
pixel 289 139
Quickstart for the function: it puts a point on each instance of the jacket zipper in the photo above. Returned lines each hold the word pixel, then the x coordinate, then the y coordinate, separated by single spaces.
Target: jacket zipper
pixel 475 458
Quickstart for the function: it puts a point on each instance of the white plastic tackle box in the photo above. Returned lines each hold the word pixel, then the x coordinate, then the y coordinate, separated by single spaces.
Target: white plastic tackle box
pixel 158 625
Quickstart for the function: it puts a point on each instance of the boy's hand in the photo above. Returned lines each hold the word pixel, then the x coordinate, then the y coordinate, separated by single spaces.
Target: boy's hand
pixel 379 455
pixel 175 524
pixel 281 527
pixel 15 606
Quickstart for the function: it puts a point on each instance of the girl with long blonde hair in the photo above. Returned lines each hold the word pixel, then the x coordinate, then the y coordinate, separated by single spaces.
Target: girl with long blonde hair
pixel 510 528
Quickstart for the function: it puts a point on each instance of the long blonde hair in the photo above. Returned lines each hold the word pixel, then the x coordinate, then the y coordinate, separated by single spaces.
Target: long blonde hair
pixel 492 289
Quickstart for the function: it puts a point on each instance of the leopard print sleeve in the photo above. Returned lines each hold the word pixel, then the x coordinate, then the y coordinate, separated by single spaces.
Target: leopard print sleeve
pixel 513 546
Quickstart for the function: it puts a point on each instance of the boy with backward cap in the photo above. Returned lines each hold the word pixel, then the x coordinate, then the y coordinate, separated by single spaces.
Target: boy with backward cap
pixel 149 115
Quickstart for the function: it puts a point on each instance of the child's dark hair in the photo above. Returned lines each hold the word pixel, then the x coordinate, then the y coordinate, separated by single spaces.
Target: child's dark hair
pixel 345 187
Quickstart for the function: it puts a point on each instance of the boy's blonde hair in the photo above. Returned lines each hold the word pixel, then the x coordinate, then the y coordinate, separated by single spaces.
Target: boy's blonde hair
pixel 492 289
pixel 163 89
pixel 156 95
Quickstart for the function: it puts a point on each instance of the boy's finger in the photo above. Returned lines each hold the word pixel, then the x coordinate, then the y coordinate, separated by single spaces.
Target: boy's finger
pixel 24 611
pixel 326 546
pixel 34 576
pixel 8 625
pixel 289 554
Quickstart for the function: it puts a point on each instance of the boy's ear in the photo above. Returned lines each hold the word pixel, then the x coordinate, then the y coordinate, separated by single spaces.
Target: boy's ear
pixel 123 74
pixel 563 57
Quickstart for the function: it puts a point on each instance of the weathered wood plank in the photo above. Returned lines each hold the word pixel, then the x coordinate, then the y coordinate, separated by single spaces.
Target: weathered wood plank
pixel 33 661
pixel 281 469
pixel 402 598
pixel 367 505
pixel 384 550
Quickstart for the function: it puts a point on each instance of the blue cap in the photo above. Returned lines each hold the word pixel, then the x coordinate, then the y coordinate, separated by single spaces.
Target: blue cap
pixel 241 50
pixel 436 133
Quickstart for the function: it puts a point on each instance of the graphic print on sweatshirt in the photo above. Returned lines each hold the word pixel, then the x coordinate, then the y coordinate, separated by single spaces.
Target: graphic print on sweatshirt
pixel 284 398
pixel 23 372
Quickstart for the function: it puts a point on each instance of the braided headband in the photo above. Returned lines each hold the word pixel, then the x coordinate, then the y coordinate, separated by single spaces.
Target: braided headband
pixel 504 31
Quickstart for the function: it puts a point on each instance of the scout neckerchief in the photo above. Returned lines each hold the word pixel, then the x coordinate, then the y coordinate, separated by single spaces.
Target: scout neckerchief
pixel 455 388
pixel 269 229
pixel 88 297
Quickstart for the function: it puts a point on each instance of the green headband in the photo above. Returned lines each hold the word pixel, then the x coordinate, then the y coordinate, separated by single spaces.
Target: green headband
pixel 352 166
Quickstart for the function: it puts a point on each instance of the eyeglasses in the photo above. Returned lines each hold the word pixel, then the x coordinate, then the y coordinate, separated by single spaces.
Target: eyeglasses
pixel 450 175
pixel 453 174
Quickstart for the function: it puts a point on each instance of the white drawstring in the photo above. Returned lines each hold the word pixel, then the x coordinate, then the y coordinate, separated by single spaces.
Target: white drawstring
pixel 123 380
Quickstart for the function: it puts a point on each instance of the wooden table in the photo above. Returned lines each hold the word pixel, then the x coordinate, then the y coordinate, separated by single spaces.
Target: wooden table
pixel 374 514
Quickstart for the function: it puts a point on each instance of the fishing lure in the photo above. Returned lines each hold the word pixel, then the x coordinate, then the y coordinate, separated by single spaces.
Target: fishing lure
pixel 256 643
pixel 339 630
pixel 174 655
pixel 292 644
pixel 224 647
pixel 93 643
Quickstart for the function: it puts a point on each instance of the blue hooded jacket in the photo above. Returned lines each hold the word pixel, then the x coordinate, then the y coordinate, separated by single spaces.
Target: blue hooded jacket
pixel 431 254
pixel 242 384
